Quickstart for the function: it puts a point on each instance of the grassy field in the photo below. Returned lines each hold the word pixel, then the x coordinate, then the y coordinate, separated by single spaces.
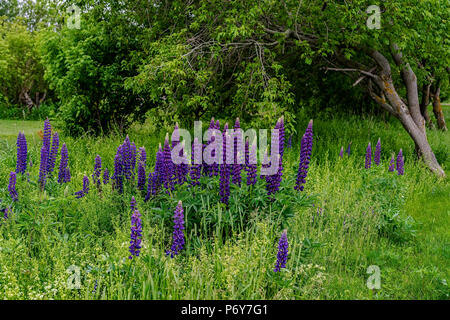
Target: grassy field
pixel 345 220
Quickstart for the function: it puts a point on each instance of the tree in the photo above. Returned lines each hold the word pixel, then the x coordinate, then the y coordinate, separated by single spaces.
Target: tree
pixel 237 53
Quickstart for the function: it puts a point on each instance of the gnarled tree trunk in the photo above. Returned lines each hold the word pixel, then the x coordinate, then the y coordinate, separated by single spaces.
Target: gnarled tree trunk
pixel 437 108
pixel 409 114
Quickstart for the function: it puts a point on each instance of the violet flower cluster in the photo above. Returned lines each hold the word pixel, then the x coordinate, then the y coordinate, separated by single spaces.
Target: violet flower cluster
pixel 377 155
pixel 305 157
pixel 368 160
pixel 178 233
pixel 21 165
pixel 136 234
pixel 53 153
pixel 282 254
pixel 400 163
pixel 12 186
pixel 64 173
pixel 83 192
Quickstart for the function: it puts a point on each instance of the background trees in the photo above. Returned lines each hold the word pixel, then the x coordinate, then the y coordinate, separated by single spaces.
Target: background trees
pixel 253 59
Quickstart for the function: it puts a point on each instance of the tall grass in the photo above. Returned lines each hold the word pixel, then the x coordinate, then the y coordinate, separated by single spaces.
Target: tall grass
pixel 347 219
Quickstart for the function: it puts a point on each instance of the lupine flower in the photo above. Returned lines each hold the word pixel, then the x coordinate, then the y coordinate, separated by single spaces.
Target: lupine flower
pixel 377 155
pixel 182 169
pixel 368 157
pixel 195 171
pixel 237 152
pixel 5 212
pixel 348 148
pixel 133 204
pixel 63 165
pixel 67 175
pixel 224 180
pixel 305 157
pixel 400 168
pixel 273 181
pixel 168 177
pixel 141 168
pixel 392 164
pixel 83 192
pixel 21 166
pixel 289 143
pixel 47 136
pixel 97 172
pixel 118 170
pixel 136 234
pixel 341 153
pixel 133 158
pixel 127 158
pixel 282 255
pixel 251 166
pixel 106 176
pixel 43 167
pixel 53 153
pixel 151 186
pixel 12 186
pixel 178 233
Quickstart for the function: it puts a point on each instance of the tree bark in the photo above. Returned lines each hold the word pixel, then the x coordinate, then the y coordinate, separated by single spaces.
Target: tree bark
pixel 437 109
pixel 409 115
pixel 424 104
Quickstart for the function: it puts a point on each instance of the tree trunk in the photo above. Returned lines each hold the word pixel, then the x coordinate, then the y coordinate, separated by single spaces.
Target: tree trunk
pixel 437 109
pixel 424 104
pixel 409 114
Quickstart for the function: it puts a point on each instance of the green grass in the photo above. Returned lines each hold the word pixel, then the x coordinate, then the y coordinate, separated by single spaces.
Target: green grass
pixel 359 218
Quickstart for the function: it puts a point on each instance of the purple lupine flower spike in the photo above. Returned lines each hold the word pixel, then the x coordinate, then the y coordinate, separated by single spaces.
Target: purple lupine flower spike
pixel 348 148
pixel 237 152
pixel 368 161
pixel 224 181
pixel 289 143
pixel 133 158
pixel 400 163
pixel 392 164
pixel 178 233
pixel 118 170
pixel 47 136
pixel 63 164
pixel 195 171
pixel 141 168
pixel 168 165
pixel 282 254
pixel 106 176
pixel 53 153
pixel 21 165
pixel 251 166
pixel 67 176
pixel 12 186
pixel 305 157
pixel 43 168
pixel 150 186
pixel 377 155
pixel 159 168
pixel 341 153
pixel 133 204
pixel 136 234
pixel 83 192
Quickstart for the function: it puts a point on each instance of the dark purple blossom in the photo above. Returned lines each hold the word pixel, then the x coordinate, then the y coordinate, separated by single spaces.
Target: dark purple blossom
pixel 178 233
pixel 63 163
pixel 83 192
pixel 377 155
pixel 136 234
pixel 341 153
pixel 305 157
pixel 21 166
pixel 53 153
pixel 105 176
pixel 118 170
pixel 67 175
pixel 133 204
pixel 168 177
pixel 282 254
pixel 12 186
pixel 195 172
pixel 392 164
pixel 159 168
pixel 348 148
pixel 251 166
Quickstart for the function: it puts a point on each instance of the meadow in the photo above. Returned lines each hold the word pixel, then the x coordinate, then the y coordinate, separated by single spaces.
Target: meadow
pixel 346 219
